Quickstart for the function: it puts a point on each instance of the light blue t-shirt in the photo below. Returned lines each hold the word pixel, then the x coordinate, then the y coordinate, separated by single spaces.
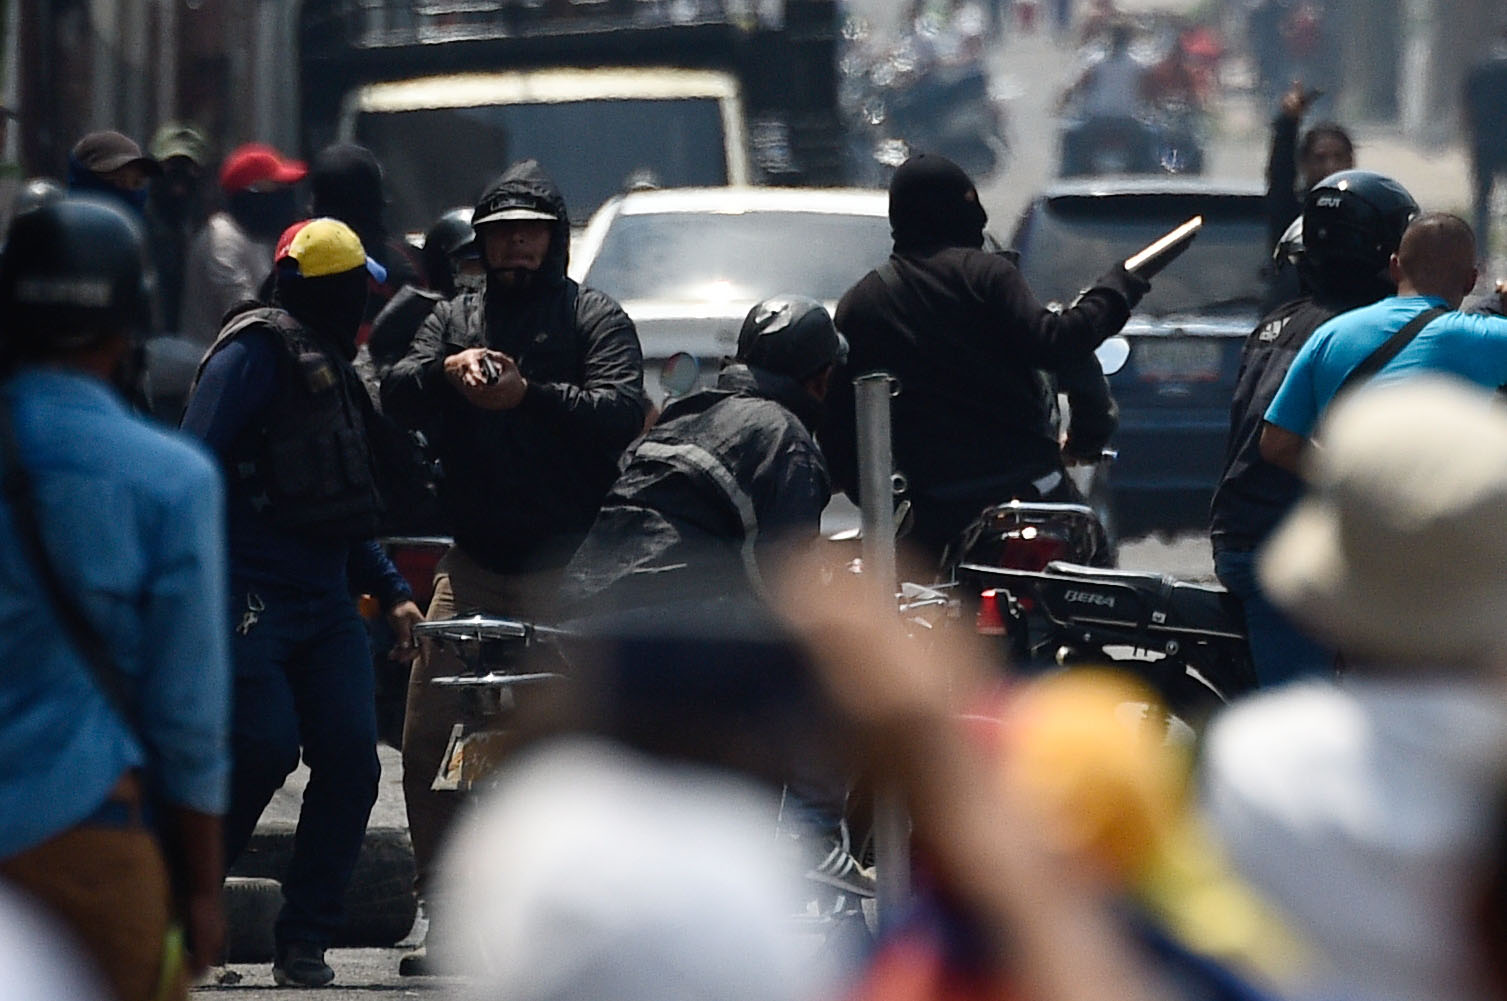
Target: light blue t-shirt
pixel 1466 345
pixel 132 515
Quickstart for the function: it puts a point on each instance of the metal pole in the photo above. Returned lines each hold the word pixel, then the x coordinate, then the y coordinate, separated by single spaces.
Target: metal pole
pixel 876 471
pixel 876 477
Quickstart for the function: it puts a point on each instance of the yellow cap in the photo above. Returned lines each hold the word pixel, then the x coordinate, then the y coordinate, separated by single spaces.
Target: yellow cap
pixel 323 247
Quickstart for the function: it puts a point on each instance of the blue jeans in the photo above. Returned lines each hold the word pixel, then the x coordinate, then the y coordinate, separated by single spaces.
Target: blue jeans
pixel 1280 650
pixel 303 683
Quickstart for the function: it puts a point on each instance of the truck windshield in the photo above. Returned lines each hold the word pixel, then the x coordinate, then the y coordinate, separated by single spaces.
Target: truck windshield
pixel 437 158
pixel 702 257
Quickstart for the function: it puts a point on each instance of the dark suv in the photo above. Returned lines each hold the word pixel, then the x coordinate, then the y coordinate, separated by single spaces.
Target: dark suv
pixel 1185 336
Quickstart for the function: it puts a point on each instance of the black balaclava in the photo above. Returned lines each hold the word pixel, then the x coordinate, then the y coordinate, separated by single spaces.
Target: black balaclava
pixel 263 214
pixel 933 204
pixel 175 194
pixel 347 184
pixel 332 306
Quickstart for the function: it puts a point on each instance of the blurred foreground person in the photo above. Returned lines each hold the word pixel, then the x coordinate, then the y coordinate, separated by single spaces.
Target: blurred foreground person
pixel 641 859
pixel 726 477
pixel 1369 811
pixel 114 712
pixel 39 959
pixel 597 873
pixel 280 404
pixel 1019 903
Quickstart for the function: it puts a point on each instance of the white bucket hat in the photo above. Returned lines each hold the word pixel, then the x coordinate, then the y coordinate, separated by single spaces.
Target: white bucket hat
pixel 1398 551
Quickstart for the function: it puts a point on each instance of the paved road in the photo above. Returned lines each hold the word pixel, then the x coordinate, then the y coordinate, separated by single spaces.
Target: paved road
pixel 1034 70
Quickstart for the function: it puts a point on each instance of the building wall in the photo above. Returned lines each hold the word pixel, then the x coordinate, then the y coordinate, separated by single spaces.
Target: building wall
pixel 131 65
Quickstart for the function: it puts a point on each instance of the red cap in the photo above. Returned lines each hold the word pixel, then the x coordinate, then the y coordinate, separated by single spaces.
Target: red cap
pixel 254 163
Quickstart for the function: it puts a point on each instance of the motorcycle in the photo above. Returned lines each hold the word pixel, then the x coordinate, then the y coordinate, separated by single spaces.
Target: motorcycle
pixel 497 655
pixel 1036 577
pixel 929 92
pixel 1186 640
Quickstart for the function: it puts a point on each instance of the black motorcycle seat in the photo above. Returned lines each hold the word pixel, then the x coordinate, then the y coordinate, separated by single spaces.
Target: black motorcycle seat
pixel 1145 581
pixel 1175 605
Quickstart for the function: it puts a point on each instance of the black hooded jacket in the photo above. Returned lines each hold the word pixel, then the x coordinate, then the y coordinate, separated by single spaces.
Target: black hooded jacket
pixel 724 475
pixel 1253 495
pixel 968 340
pixel 522 486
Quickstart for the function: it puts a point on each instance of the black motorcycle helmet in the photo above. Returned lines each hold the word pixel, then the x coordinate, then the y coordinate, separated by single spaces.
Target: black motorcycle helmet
pixel 1352 224
pixel 790 335
pixel 72 271
pixel 450 237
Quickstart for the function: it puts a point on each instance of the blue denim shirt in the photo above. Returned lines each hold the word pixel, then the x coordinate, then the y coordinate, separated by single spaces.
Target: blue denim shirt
pixel 133 517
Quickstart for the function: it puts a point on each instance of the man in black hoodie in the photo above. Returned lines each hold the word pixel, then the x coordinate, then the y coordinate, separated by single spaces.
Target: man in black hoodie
pixel 969 342
pixel 528 391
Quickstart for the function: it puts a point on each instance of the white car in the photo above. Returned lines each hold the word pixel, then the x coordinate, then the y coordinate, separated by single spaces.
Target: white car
pixel 688 263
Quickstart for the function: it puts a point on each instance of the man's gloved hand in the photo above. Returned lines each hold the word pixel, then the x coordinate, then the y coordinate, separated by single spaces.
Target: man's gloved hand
pixel 1131 287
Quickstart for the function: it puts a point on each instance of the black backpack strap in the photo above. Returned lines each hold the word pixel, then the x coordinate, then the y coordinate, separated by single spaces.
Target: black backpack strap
pixel 1393 345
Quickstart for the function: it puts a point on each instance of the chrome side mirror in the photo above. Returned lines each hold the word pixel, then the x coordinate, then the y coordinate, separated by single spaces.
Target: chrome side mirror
pixel 1113 353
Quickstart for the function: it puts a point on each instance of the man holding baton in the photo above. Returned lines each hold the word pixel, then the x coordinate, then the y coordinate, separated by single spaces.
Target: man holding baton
pixel 978 357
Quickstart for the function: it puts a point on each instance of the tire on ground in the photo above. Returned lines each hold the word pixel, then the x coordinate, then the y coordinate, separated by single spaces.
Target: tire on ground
pixel 379 903
pixel 251 906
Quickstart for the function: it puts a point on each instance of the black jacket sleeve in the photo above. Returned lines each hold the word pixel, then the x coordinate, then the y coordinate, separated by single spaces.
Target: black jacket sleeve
pixel 1092 413
pixel 1051 340
pixel 1282 204
pixel 371 571
pixel 608 406
pixel 410 389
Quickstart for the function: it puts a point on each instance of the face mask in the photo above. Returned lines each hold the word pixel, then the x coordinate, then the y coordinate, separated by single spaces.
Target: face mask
pixel 264 213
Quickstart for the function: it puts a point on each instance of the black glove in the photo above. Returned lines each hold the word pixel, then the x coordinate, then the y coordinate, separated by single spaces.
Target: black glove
pixel 1131 287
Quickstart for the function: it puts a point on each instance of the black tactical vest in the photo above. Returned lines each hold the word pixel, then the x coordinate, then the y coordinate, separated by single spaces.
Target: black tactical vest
pixel 306 465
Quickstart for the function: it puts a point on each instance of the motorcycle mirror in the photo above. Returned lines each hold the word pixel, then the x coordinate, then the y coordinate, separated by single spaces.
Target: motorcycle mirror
pixel 1113 354
pixel 679 373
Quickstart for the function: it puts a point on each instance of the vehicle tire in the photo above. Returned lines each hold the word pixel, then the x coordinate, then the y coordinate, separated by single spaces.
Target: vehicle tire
pixel 380 906
pixel 251 907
